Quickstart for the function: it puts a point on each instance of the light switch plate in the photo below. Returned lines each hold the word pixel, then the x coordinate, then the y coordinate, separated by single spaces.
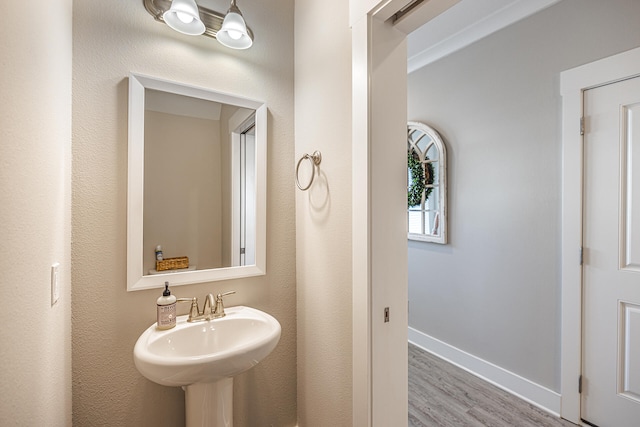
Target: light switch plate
pixel 55 283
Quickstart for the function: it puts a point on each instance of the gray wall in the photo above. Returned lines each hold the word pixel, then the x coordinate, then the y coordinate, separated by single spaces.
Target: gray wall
pixel 494 290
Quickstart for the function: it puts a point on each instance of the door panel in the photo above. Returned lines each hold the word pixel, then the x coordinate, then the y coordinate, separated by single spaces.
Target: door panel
pixel 630 351
pixel 611 275
pixel 630 186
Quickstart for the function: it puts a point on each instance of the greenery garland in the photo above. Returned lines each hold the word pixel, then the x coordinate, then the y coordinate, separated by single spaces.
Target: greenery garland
pixel 420 178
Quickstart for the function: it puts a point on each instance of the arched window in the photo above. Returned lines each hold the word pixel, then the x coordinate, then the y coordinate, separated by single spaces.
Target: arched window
pixel 426 184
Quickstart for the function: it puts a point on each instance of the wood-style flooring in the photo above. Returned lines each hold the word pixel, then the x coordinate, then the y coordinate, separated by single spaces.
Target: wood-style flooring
pixel 441 394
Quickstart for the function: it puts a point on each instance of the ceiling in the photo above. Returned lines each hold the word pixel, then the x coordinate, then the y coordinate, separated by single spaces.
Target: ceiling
pixel 463 24
pixel 459 26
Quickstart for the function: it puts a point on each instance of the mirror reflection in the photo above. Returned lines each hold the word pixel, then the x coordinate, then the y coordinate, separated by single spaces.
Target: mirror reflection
pixel 199 174
pixel 196 185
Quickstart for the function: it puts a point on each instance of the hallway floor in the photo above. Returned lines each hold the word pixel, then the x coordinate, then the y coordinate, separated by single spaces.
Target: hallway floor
pixel 441 394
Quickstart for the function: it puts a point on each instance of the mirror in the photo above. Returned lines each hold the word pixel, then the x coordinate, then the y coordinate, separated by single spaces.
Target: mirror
pixel 426 184
pixel 196 202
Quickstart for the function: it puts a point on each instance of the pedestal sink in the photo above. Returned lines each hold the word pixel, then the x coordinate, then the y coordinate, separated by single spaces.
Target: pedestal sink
pixel 203 357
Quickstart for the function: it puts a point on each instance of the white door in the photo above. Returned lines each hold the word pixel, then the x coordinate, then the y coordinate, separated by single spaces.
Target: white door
pixel 611 274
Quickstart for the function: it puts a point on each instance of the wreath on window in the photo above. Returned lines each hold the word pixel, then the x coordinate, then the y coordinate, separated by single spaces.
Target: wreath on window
pixel 420 179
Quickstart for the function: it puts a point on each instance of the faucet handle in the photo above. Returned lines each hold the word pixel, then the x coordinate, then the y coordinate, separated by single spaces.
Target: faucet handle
pixel 194 311
pixel 219 296
pixel 218 310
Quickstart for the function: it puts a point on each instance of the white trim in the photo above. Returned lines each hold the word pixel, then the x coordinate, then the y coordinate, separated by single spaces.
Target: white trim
pixel 235 197
pixel 573 84
pixel 379 255
pixel 362 337
pixel 523 388
pixel 502 18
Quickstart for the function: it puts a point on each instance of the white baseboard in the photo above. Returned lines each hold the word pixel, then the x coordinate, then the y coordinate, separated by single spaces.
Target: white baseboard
pixel 533 393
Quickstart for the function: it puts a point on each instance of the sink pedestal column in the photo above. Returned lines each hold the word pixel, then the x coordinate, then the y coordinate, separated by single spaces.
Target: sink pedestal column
pixel 209 404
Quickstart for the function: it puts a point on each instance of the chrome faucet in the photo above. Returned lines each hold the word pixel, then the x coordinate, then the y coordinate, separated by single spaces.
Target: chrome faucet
pixel 210 310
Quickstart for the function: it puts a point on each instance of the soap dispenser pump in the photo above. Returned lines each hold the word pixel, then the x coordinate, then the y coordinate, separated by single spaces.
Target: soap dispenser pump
pixel 166 309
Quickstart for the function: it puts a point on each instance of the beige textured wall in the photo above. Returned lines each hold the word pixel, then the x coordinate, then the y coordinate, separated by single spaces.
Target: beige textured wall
pixel 183 189
pixel 323 213
pixel 111 39
pixel 35 215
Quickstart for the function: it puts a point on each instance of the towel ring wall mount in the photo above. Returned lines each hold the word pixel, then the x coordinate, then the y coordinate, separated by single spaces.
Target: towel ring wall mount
pixel 315 159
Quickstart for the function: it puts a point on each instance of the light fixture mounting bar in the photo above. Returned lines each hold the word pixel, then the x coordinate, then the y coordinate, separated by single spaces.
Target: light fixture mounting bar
pixel 212 20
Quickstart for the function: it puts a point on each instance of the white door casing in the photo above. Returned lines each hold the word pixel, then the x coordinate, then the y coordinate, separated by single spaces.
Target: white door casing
pixel 379 105
pixel 574 83
pixel 380 390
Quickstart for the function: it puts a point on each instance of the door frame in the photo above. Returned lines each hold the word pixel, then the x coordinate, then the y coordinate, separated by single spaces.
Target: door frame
pixel 379 233
pixel 573 84
pixel 379 347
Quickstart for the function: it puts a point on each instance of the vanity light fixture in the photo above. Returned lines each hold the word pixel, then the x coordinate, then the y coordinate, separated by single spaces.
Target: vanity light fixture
pixel 183 17
pixel 234 33
pixel 187 17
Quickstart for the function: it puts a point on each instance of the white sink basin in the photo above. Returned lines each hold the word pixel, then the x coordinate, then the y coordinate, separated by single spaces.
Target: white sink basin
pixel 206 351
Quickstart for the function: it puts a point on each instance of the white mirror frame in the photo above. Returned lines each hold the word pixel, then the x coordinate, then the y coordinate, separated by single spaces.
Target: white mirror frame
pixel 136 279
pixel 442 179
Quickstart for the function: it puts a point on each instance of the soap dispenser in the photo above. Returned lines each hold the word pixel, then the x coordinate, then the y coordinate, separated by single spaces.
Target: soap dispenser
pixel 166 309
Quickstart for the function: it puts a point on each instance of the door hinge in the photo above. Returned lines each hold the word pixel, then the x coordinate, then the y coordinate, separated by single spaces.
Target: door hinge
pixel 582 125
pixel 581 255
pixel 386 314
pixel 580 384
pixel 242 251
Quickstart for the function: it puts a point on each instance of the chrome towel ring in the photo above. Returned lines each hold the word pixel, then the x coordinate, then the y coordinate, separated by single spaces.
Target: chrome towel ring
pixel 315 159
